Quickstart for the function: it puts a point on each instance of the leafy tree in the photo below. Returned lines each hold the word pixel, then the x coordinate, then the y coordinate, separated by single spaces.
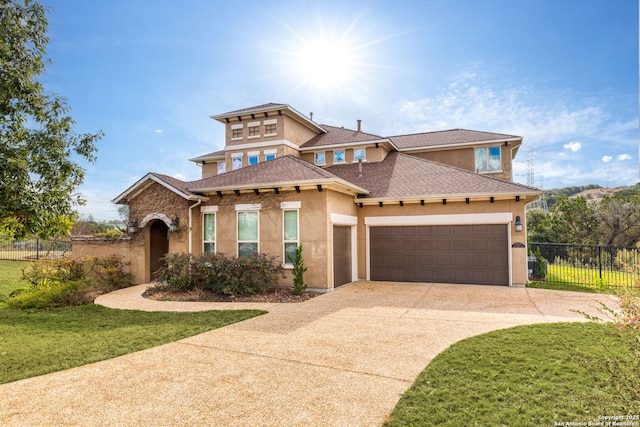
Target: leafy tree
pixel 38 174
pixel 538 224
pixel 619 220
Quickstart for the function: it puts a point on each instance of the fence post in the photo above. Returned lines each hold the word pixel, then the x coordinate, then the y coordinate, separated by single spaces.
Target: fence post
pixel 600 261
pixel 37 248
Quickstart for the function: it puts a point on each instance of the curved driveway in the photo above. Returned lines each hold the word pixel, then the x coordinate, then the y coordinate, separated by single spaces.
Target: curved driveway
pixel 340 359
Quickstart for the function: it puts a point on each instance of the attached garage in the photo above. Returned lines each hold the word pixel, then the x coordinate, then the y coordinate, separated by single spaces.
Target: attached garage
pixel 466 254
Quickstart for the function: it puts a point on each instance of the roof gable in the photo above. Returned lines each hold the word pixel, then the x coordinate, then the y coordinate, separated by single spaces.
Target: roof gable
pixel 173 184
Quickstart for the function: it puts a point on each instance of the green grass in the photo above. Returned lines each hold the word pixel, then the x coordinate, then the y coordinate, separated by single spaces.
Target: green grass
pixel 527 375
pixel 38 342
pixel 11 277
pixel 566 278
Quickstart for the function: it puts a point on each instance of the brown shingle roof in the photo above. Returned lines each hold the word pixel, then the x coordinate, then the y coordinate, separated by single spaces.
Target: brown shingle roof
pixel 447 137
pixel 282 170
pixel 336 135
pixel 404 176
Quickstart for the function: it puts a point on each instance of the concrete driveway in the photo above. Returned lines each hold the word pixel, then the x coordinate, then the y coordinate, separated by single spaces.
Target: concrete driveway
pixel 341 359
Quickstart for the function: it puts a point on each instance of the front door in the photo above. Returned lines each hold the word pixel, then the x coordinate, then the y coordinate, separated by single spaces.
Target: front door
pixel 158 246
pixel 342 273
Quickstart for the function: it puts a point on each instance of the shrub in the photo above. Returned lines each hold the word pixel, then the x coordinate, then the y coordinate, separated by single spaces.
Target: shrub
pixel 69 282
pixel 53 293
pixel 220 273
pixel 176 272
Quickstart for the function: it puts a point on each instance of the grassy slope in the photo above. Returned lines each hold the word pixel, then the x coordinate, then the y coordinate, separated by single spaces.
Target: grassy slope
pixel 528 375
pixel 38 342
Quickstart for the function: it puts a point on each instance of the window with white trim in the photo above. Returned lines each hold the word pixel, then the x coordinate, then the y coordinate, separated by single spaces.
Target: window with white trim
pixel 236 161
pixel 236 133
pixel 253 159
pixel 248 232
pixel 254 131
pixel 320 159
pixel 359 154
pixel 209 233
pixel 221 167
pixel 290 235
pixel 269 156
pixel 488 159
pixel 338 156
pixel 269 130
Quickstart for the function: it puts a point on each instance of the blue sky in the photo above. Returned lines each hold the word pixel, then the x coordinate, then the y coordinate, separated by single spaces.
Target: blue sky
pixel 563 74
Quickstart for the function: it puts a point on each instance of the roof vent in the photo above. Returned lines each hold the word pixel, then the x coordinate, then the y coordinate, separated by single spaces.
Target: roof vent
pixel 359 125
pixel 311 116
pixel 359 168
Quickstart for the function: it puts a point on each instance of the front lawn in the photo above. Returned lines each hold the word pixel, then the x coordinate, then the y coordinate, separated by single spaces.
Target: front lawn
pixel 42 341
pixel 569 278
pixel 527 375
pixel 11 277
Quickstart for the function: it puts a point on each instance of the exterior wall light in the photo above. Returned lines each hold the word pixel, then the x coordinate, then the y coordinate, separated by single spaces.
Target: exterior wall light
pixel 518 224
pixel 132 227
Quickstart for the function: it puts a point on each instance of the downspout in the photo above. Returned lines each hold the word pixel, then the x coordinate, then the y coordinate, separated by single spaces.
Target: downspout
pixel 190 225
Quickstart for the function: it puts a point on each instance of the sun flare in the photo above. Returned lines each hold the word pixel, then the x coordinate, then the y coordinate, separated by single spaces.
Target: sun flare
pixel 326 62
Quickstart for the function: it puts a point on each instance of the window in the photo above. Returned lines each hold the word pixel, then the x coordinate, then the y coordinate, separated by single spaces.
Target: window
pixel 338 156
pixel 253 160
pixel 487 159
pixel 209 233
pixel 269 130
pixel 320 158
pixel 269 156
pixel 236 163
pixel 221 167
pixel 247 233
pixel 236 133
pixel 359 154
pixel 254 131
pixel 290 235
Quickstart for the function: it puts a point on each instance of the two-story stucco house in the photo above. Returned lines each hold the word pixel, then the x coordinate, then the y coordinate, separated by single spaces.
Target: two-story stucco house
pixel 428 207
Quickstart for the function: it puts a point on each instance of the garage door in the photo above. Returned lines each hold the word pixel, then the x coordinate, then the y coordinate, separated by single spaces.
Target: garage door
pixel 473 254
pixel 341 255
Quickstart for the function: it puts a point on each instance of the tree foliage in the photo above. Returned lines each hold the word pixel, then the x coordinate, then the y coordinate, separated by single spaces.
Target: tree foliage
pixel 38 144
pixel 615 220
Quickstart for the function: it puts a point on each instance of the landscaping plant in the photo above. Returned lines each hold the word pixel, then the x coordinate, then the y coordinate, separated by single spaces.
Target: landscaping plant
pixel 299 286
pixel 67 282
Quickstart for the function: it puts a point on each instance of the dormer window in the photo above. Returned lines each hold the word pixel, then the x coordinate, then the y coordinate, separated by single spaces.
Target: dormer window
pixel 320 160
pixel 338 156
pixel 487 159
pixel 359 154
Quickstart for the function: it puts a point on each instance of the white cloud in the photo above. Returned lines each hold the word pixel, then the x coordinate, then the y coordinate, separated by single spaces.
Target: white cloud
pixel 573 146
pixel 180 177
pixel 624 157
pixel 158 130
pixel 606 159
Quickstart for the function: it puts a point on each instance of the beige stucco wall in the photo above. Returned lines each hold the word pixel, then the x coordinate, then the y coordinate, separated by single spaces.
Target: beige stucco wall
pixel 121 247
pixel 464 158
pixel 373 154
pixel 313 228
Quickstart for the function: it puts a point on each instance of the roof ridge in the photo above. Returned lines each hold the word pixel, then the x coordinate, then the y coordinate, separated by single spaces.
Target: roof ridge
pixel 450 130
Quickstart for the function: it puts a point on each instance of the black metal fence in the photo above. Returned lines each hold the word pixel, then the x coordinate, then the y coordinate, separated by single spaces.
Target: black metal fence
pixel 591 265
pixel 25 250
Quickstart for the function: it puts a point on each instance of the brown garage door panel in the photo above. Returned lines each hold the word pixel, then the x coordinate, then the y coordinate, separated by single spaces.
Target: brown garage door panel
pixel 475 254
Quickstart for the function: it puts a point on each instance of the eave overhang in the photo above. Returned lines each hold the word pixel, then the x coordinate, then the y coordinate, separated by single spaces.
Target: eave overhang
pixel 525 197
pixel 147 180
pixel 424 148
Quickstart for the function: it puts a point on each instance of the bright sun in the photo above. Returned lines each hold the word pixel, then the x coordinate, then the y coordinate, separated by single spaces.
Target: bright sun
pixel 326 62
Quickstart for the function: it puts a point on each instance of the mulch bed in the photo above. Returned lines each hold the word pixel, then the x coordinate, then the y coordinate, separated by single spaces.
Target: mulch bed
pixel 274 295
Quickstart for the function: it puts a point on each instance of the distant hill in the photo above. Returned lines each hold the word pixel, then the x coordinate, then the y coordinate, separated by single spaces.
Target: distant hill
pixel 593 193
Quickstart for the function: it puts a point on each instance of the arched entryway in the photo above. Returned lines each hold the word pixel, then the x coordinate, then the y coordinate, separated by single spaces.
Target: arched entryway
pixel 158 246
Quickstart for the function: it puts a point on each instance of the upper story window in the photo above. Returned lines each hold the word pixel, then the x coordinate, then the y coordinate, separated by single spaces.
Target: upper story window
pixel 254 131
pixel 269 156
pixel 253 160
pixel 338 156
pixel 270 127
pixel 221 167
pixel 236 161
pixel 320 160
pixel 236 131
pixel 359 154
pixel 487 159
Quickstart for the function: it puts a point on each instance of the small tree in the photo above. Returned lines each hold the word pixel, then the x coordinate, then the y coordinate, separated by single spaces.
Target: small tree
pixel 299 286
